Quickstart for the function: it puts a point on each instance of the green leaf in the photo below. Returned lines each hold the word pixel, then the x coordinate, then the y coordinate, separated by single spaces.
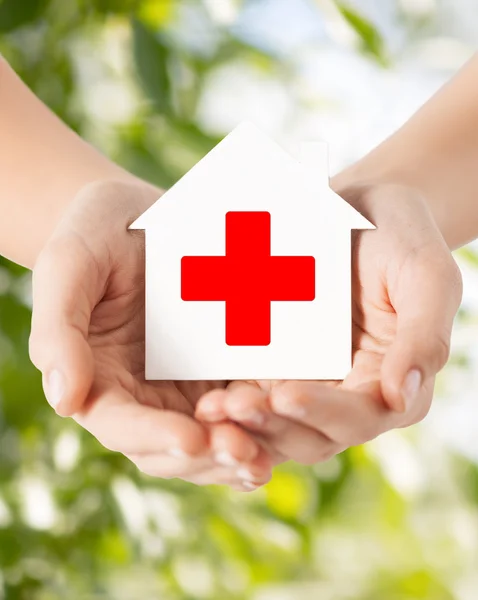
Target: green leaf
pixel 372 42
pixel 151 55
pixel 16 13
pixel 116 6
pixel 156 13
pixel 289 495
pixel 468 255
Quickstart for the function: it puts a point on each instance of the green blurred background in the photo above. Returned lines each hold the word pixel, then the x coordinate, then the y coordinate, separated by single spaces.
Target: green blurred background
pixel 155 84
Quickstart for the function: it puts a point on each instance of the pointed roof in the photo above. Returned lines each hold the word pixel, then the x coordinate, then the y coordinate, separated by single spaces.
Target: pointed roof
pixel 248 142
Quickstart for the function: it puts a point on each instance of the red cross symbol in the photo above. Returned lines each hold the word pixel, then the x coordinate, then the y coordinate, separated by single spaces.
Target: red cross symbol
pixel 248 278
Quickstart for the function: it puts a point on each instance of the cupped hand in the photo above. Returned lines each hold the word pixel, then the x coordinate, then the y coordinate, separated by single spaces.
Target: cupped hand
pixel 406 292
pixel 87 339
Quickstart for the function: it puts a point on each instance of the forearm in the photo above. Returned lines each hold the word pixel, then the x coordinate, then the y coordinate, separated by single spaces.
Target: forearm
pixel 43 164
pixel 436 151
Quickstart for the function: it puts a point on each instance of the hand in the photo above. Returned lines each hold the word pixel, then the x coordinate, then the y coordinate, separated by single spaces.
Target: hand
pixel 87 339
pixel 406 291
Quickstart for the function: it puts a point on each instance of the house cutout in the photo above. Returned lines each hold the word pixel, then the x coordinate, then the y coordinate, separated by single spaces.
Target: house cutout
pixel 248 267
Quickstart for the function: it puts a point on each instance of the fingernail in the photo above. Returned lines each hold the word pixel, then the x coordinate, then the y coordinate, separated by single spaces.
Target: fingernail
pixel 209 412
pixel 250 486
pixel 411 386
pixel 225 458
pixel 177 453
pixel 245 474
pixel 208 406
pixel 54 388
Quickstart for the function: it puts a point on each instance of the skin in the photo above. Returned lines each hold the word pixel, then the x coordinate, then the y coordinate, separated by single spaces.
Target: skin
pixel 435 152
pixel 88 299
pixel 401 338
pixel 88 295
pixel 430 162
pixel 87 338
pixel 58 162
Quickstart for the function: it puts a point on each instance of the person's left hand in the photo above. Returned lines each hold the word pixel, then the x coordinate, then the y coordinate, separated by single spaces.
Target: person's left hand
pixel 406 292
pixel 87 339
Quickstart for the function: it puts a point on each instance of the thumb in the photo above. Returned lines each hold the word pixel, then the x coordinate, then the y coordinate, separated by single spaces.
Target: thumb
pixel 426 300
pixel 63 285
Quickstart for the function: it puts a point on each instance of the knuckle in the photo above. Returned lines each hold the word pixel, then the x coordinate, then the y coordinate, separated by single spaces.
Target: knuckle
pixel 54 249
pixel 35 349
pixel 419 414
pixel 456 280
pixel 372 429
pixel 314 459
pixel 310 459
pixel 435 256
pixel 440 348
pixel 289 396
pixel 367 434
pixel 323 453
pixel 325 456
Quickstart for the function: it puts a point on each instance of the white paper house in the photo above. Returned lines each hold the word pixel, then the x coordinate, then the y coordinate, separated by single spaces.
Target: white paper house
pixel 272 298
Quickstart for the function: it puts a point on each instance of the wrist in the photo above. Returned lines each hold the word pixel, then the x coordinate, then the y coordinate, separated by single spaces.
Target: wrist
pixel 360 176
pixel 113 186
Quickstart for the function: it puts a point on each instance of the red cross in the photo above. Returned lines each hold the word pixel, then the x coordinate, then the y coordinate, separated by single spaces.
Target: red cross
pixel 248 278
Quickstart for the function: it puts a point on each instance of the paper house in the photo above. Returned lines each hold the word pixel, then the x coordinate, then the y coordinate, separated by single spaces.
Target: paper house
pixel 248 267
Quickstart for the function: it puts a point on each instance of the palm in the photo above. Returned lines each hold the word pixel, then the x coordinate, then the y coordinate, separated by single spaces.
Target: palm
pixel 381 270
pixel 89 301
pixel 406 289
pixel 144 419
pixel 374 319
pixel 116 328
pixel 116 337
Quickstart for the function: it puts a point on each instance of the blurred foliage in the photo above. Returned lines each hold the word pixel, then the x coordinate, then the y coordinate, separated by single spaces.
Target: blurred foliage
pixel 79 522
pixel 371 41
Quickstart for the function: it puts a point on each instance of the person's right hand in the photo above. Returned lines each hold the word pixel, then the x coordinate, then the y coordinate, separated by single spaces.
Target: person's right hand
pixel 87 339
pixel 406 291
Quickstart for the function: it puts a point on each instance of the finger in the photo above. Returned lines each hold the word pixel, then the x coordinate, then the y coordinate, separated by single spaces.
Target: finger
pixel 203 470
pixel 157 467
pixel 256 472
pixel 245 477
pixel 348 418
pixel 210 407
pixel 63 282
pixel 165 466
pixel 426 300
pixel 231 445
pixel 252 408
pixel 122 425
pixel 248 405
